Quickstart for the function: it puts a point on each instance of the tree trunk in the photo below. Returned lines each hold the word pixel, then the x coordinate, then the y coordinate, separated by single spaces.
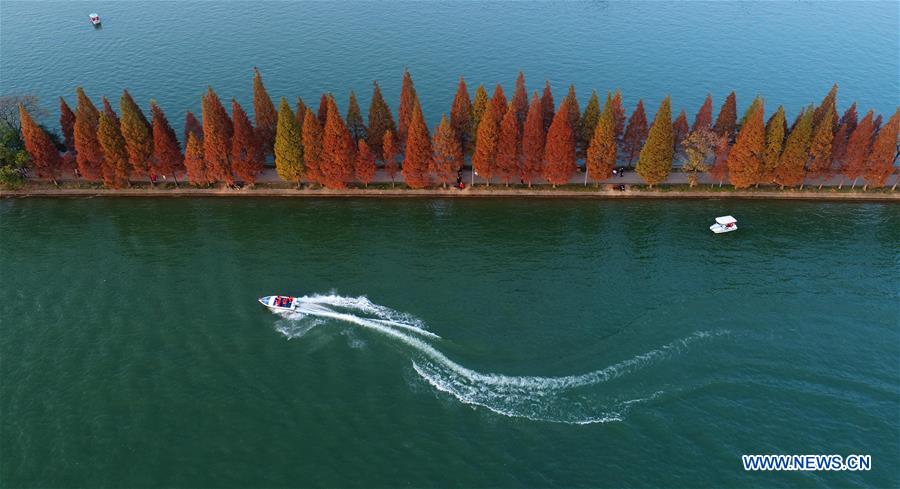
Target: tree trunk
pixel 894 186
pixel 865 186
pixel 854 183
pixel 841 183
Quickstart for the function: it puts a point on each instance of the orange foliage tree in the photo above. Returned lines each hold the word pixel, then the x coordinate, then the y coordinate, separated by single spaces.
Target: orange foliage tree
pixel 337 162
pixel 88 153
pixel 485 157
pixel 601 152
pixel 247 152
pixel 389 155
pixel 745 162
pixel 548 106
pixel 364 170
pixel 499 104
pixel 167 155
pixel 380 120
pixel 508 149
pixel 479 107
pixel 137 133
pixel 355 124
pixel 680 128
pixel 312 148
pixel 703 120
pixel 417 160
pixel 655 161
pixel 821 145
pixel 720 166
pixel 618 114
pixel 216 139
pixel 727 120
pixel 67 124
pixel 448 153
pixel 264 114
pixel 115 154
pixel 636 132
pixel 519 101
pixel 559 151
pixel 408 100
pixel 461 117
pixel 791 167
pixel 533 142
pixel 193 160
pixel 880 163
pixel 44 155
pixel 192 126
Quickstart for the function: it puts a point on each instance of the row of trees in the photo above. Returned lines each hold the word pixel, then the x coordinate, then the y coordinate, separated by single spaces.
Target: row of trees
pixel 513 140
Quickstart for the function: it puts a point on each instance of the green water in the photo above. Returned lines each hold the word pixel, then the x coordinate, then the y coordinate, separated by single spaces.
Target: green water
pixel 582 343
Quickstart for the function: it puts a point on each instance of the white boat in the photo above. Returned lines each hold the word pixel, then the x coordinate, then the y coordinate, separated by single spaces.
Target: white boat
pixel 95 19
pixel 724 224
pixel 280 303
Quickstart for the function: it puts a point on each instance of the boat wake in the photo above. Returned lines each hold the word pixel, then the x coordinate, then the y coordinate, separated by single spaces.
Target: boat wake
pixel 565 399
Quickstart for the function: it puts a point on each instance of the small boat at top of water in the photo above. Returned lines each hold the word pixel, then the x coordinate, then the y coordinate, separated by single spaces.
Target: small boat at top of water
pixel 279 303
pixel 95 19
pixel 724 224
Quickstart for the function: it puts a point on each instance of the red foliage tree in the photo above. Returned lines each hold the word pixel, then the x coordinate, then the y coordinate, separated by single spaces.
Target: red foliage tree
pixel 380 120
pixel 485 157
pixel 167 155
pixel 858 148
pixel 727 120
pixel 193 160
pixel 337 156
pixel 323 109
pixel 519 101
pixel 559 152
pixel 389 155
pixel 408 100
pixel 461 116
pixel 264 113
pixel 44 155
pixel 533 142
pixel 364 169
pixel 720 167
pixel 508 150
pixel 192 126
pixel 499 103
pixel 548 106
pixel 618 114
pixel 880 163
pixel 448 154
pixel 67 124
pixel 680 129
pixel 88 153
pixel 312 147
pixel 247 152
pixel 571 103
pixel 216 139
pixel 636 132
pixel 418 156
pixel 841 137
pixel 703 120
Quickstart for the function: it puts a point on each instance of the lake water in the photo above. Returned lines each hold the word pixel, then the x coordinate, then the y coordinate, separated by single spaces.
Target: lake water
pixel 790 52
pixel 503 343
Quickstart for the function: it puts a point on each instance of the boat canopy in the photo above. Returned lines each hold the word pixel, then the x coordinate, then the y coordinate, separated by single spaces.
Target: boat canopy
pixel 94 16
pixel 726 220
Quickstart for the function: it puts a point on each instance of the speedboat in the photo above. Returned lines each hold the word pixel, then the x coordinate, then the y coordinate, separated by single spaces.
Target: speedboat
pixel 95 19
pixel 280 303
pixel 724 224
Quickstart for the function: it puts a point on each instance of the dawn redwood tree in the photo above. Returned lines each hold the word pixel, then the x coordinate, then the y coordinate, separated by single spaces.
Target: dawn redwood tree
pixel 312 148
pixel 485 157
pixel 193 160
pixel 636 132
pixel 858 148
pixel 246 149
pixel 589 120
pixel 757 101
pixel 601 153
pixel 571 102
pixel 167 155
pixel 264 114
pixel 703 120
pixel 364 170
pixel 746 158
pixel 461 117
pixel 720 165
pixel 559 151
pixel 618 114
pixel 448 153
pixel 726 122
pixel 680 128
pixel 533 142
pixel 699 146
pixel 408 100
pixel 827 110
pixel 774 144
pixel 519 101
pixel 337 155
pixel 323 109
pixel 841 137
pixel 380 120
pixel 655 161
pixel 417 160
pixel 820 146
pixel 880 163
pixel 67 124
pixel 288 148
pixel 389 155
pixel 300 114
pixel 115 154
pixel 790 170
pixel 548 106
pixel 217 131
pixel 499 104
pixel 88 153
pixel 508 149
pixel 108 110
pixel 355 123
pixel 44 155
pixel 137 133
pixel 192 126
pixel 479 106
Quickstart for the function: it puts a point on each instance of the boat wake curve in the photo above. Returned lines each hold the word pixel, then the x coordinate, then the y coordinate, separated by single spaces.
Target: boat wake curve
pixel 563 399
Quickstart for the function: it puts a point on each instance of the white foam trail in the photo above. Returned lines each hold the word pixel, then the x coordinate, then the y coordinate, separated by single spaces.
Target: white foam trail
pixel 555 399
